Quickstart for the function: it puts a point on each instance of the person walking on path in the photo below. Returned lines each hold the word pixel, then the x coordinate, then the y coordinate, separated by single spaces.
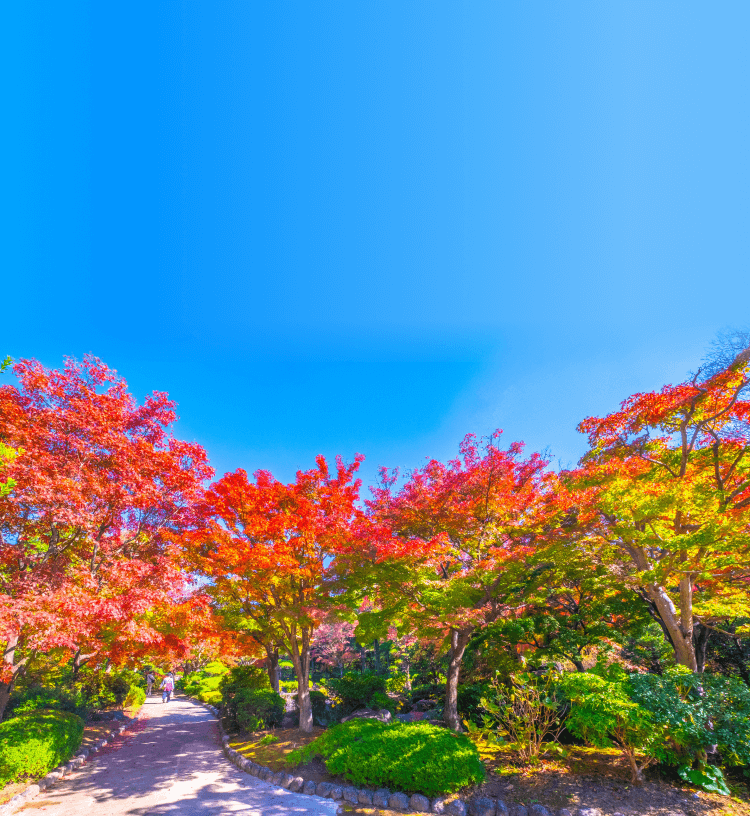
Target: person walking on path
pixel 149 683
pixel 167 686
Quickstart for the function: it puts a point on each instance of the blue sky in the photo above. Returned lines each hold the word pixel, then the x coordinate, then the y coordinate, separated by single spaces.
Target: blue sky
pixel 373 227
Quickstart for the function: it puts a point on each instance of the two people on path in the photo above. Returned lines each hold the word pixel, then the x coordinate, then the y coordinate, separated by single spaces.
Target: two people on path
pixel 167 686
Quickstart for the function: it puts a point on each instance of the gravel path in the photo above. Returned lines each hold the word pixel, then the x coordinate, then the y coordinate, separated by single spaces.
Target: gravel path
pixel 172 766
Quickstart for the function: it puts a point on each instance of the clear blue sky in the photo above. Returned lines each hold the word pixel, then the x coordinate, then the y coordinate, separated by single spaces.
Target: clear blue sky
pixel 339 227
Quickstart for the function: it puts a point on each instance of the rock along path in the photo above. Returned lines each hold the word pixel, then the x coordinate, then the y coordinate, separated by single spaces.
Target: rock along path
pixel 173 766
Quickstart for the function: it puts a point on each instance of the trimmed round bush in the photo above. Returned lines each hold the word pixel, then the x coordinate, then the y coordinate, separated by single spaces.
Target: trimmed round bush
pixel 34 743
pixel 412 757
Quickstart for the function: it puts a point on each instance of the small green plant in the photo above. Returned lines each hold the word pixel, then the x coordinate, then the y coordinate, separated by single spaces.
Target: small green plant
pixel 415 757
pixel 710 778
pixel 269 739
pixel 526 711
pixel 34 743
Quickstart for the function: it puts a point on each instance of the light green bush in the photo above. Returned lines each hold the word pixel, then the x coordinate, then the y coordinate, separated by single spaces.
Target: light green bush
pixel 34 743
pixel 413 757
pixel 135 698
pixel 204 681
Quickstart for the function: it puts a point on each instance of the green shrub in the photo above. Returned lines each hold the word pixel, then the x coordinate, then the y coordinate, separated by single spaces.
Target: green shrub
pixel 396 683
pixel 526 711
pixel 319 711
pixel 288 685
pixel 205 680
pixel 470 701
pixel 381 700
pixel 36 697
pixel 135 697
pixel 106 689
pixel 210 697
pixel 255 709
pixel 415 757
pixel 34 743
pixel 429 691
pixel 355 690
pixel 602 713
pixel 249 677
pixel 234 688
pixel 697 711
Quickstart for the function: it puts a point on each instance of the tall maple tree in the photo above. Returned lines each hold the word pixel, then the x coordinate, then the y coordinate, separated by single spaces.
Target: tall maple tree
pixel 445 552
pixel 266 552
pixel 663 494
pixel 101 489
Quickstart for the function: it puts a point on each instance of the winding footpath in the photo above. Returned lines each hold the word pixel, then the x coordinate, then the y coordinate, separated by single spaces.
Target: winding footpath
pixel 172 766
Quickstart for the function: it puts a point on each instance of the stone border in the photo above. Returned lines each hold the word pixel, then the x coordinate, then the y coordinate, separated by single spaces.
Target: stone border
pixel 58 773
pixel 416 803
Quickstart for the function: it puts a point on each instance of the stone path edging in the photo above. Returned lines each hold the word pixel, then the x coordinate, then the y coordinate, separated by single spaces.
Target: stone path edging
pixel 416 803
pixel 57 774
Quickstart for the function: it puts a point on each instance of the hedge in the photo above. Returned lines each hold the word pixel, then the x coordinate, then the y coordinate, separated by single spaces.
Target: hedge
pixel 34 743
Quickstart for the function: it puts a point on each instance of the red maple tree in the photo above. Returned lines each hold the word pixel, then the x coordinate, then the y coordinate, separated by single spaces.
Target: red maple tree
pixel 441 552
pixel 100 491
pixel 267 550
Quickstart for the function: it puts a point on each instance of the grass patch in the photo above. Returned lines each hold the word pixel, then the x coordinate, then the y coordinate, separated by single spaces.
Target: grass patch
pixel 34 743
pixel 273 754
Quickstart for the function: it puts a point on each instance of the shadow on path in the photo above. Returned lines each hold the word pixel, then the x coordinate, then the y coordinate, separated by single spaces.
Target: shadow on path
pixel 173 765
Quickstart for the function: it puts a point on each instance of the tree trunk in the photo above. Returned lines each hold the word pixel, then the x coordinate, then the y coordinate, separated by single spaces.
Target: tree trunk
pixel 377 655
pixel 79 661
pixel 273 668
pixel 701 636
pixel 363 658
pixel 679 628
pixel 459 641
pixel 13 668
pixel 302 668
pixel 5 690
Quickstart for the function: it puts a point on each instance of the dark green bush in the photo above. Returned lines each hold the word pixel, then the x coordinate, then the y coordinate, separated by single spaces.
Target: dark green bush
pixel 415 757
pixel 382 700
pixel 697 711
pixel 234 687
pixel 470 701
pixel 254 709
pixel 106 689
pixel 356 690
pixel 34 743
pixel 319 711
pixel 36 697
pixel 429 691
pixel 243 677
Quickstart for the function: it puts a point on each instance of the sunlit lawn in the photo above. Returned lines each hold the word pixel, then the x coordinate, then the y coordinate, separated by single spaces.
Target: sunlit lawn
pixel 272 755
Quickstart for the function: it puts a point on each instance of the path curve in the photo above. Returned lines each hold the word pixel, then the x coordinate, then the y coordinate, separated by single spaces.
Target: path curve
pixel 173 766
